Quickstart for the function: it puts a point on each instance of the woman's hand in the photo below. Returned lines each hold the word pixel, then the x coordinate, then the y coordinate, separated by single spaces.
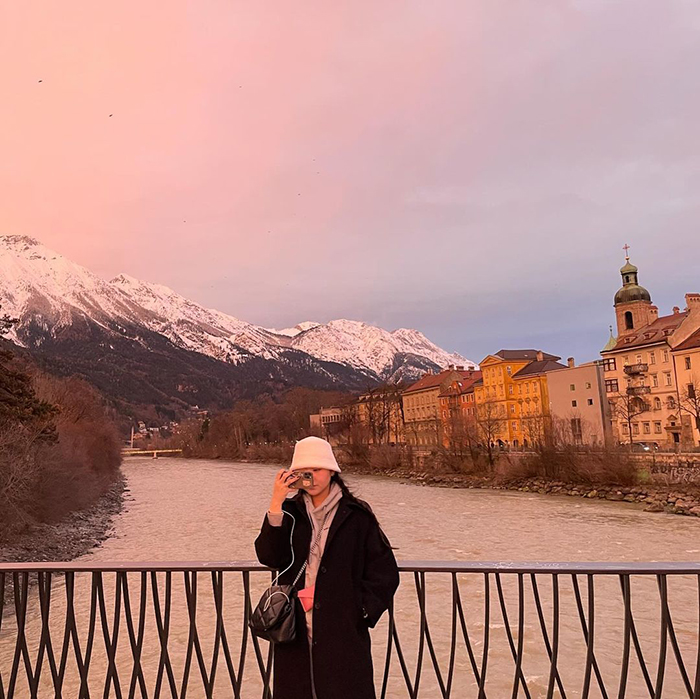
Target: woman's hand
pixel 280 489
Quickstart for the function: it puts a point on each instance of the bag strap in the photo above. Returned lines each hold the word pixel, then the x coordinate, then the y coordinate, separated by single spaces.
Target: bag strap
pixel 311 550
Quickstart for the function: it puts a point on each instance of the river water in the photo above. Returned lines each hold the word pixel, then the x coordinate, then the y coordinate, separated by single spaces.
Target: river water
pixel 197 510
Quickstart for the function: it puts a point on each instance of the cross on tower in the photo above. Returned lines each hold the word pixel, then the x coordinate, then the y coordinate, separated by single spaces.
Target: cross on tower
pixel 626 248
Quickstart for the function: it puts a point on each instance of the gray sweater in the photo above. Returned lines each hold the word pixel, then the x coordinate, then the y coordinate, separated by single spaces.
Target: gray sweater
pixel 327 509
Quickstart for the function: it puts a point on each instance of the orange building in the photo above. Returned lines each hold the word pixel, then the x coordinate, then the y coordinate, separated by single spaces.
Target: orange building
pixel 513 396
pixel 458 410
pixel 421 406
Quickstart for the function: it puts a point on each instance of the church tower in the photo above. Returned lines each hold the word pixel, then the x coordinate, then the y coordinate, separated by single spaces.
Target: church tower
pixel 633 306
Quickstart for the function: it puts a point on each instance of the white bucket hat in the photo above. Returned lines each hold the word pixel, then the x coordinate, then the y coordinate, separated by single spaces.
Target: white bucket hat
pixel 313 452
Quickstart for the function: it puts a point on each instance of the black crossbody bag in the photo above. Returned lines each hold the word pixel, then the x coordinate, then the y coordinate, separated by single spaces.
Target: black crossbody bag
pixel 274 618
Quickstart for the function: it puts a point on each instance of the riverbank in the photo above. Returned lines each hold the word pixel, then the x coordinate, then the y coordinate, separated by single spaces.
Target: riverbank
pixel 673 498
pixel 71 537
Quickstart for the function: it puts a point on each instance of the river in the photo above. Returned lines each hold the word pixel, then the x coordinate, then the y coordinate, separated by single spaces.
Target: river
pixel 198 510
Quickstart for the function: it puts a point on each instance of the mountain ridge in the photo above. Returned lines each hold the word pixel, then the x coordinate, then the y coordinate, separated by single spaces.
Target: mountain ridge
pixel 59 302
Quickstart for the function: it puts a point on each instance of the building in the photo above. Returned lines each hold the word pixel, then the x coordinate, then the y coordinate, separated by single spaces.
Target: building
pixel 512 403
pixel 578 404
pixel 641 364
pixel 329 423
pixel 686 363
pixel 421 405
pixel 379 413
pixel 458 411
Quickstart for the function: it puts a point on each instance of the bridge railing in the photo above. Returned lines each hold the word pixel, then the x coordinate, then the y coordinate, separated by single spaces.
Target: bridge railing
pixel 455 630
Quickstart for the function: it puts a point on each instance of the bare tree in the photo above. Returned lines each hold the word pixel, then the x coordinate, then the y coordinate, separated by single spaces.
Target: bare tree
pixel 626 407
pixel 690 401
pixel 490 419
pixel 536 427
pixel 381 408
pixel 461 434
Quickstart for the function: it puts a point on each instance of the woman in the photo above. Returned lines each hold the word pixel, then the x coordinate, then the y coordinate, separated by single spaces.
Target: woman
pixel 349 582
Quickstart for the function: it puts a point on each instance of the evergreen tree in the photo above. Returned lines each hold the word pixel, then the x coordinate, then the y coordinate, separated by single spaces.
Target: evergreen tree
pixel 18 401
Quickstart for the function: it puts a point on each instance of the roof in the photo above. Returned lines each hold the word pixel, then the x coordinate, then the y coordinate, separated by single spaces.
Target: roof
pixel 436 380
pixel 651 334
pixel 693 342
pixel 457 388
pixel 610 344
pixel 534 368
pixel 524 354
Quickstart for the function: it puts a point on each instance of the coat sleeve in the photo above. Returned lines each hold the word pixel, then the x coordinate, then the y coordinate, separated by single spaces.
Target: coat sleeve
pixel 380 577
pixel 273 546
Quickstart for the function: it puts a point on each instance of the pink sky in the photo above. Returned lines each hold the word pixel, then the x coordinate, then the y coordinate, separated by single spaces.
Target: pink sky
pixel 287 161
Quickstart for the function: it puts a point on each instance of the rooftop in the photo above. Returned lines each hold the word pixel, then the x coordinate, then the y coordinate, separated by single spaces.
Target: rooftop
pixel 436 380
pixel 693 342
pixel 457 388
pixel 535 368
pixel 523 354
pixel 658 331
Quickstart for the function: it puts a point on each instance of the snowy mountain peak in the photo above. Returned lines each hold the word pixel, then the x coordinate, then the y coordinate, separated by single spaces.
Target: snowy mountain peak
pixel 18 242
pixel 48 291
pixel 298 328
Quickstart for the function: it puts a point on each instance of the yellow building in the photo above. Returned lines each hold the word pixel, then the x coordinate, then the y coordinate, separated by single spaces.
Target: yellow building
pixel 421 406
pixel 512 402
pixel 686 362
pixel 646 377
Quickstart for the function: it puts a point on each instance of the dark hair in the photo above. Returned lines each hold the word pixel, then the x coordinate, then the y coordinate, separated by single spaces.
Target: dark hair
pixel 337 478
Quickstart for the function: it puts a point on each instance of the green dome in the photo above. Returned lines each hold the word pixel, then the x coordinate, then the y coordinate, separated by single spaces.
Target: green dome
pixel 631 290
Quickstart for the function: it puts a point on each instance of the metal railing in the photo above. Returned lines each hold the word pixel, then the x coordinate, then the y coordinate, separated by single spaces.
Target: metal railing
pixel 455 630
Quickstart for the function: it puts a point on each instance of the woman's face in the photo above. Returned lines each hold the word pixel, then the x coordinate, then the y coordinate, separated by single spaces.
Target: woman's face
pixel 322 477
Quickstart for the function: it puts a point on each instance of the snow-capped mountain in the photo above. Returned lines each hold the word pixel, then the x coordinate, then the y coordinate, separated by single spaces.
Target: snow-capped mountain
pixel 298 328
pixel 368 347
pixel 57 299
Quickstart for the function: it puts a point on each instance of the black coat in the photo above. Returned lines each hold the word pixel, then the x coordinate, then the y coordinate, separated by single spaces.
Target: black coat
pixel 357 571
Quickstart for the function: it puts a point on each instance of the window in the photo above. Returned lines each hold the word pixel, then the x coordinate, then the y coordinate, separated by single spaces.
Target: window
pixel 611 386
pixel 687 362
pixel 639 359
pixel 590 401
pixel 647 427
pixel 508 370
pixel 665 355
pixel 671 403
pixel 691 390
pixel 657 403
pixel 654 379
pixel 588 384
pixel 609 365
pixel 512 409
pixel 527 388
pixel 626 361
pixel 576 431
pixel 625 428
pixel 574 404
pixel 514 424
pixel 635 428
pixel 657 428
pixel 652 358
pixel 572 387
pixel 629 321
pixel 510 389
pixel 667 379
